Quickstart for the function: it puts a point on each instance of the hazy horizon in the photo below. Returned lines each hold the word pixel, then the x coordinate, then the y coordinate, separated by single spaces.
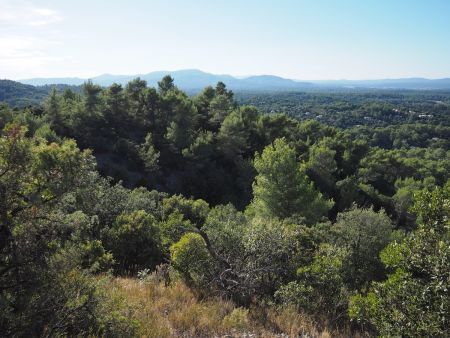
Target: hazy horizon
pixel 238 76
pixel 301 40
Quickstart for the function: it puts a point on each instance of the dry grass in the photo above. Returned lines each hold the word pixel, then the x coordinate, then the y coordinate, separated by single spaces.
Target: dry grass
pixel 174 311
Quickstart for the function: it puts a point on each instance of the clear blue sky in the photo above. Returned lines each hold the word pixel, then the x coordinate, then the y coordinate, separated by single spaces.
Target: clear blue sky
pixel 300 39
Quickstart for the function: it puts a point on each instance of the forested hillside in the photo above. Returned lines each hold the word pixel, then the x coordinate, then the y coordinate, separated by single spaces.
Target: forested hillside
pixel 141 211
pixel 20 95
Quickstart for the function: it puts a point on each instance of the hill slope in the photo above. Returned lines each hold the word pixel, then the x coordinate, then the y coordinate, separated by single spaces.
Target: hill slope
pixel 17 94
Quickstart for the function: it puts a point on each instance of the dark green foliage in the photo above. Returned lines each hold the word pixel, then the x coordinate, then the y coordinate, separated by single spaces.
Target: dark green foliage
pixel 281 188
pixel 363 233
pixel 166 140
pixel 345 259
pixel 195 211
pixel 240 259
pixel 166 84
pixel 64 225
pixel 18 94
pixel 191 258
pixel 180 131
pixel 320 286
pixel 134 241
pixel 414 301
pixel 149 155
pixel 44 290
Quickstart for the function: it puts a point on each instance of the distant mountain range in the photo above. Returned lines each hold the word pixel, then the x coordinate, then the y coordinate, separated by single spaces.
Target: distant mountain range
pixel 193 80
pixel 33 91
pixel 188 79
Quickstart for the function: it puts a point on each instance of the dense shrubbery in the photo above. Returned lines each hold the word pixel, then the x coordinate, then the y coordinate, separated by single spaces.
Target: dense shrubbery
pixel 264 211
pixel 414 301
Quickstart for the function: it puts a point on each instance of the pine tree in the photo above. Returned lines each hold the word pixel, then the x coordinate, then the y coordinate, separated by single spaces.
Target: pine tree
pixel 282 190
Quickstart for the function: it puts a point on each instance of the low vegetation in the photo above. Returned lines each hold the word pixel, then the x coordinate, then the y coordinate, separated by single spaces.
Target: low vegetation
pixel 175 311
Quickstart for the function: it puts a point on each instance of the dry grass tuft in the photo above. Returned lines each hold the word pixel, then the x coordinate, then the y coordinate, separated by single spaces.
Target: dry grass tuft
pixel 174 311
pixel 292 322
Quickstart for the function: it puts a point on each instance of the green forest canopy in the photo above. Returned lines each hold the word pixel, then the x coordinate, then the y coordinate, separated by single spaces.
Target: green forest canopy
pixel 259 208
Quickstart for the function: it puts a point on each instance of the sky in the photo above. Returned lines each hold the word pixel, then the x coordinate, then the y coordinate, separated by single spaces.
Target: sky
pixel 298 39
